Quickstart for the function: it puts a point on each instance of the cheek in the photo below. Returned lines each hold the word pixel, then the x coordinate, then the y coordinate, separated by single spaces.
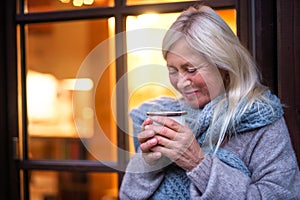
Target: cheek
pixel 198 80
pixel 173 81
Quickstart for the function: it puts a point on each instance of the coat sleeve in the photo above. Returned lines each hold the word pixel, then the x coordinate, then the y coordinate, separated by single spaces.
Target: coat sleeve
pixel 269 155
pixel 140 180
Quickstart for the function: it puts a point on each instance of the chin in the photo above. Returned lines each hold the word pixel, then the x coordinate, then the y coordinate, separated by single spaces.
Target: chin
pixel 196 104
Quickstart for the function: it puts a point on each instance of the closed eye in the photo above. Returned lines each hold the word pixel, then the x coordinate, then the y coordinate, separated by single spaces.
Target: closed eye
pixel 191 70
pixel 172 70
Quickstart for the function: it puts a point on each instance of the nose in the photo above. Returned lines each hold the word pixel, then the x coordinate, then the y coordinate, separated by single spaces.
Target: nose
pixel 183 81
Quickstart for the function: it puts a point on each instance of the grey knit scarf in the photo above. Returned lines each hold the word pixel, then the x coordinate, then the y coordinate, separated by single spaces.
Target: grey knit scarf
pixel 175 184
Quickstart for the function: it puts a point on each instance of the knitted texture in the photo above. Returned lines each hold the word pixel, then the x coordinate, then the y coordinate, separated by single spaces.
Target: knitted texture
pixel 175 184
pixel 173 188
pixel 232 160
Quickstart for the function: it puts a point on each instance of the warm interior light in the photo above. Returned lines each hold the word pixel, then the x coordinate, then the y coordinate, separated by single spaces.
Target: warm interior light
pixel 77 3
pixel 79 84
pixel 41 96
pixel 65 1
pixel 49 105
pixel 145 57
pixel 148 18
pixel 230 17
pixel 88 2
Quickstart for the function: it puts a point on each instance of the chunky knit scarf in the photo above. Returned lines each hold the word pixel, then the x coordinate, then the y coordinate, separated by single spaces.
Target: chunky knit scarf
pixel 175 184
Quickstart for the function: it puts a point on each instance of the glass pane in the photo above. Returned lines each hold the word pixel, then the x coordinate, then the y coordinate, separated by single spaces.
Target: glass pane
pixel 146 60
pixel 53 185
pixel 229 16
pixel 138 2
pixel 148 76
pixel 68 99
pixel 55 5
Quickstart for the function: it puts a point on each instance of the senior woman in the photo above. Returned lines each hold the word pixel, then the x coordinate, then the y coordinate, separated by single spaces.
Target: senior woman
pixel 235 144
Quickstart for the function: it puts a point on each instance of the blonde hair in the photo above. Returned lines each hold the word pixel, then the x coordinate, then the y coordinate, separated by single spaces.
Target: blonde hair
pixel 208 34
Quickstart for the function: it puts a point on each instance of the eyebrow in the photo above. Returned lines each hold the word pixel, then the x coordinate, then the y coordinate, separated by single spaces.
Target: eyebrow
pixel 185 65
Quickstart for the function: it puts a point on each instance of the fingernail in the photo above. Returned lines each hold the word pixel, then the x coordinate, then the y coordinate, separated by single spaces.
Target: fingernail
pixel 152 141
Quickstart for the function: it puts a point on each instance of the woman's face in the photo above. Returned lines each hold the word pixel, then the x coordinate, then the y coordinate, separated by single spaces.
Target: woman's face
pixel 198 81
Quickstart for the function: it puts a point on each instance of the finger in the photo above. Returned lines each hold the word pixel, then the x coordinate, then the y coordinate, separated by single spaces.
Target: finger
pixel 163 131
pixel 166 142
pixel 180 144
pixel 145 135
pixel 175 149
pixel 147 121
pixel 152 157
pixel 147 145
pixel 172 154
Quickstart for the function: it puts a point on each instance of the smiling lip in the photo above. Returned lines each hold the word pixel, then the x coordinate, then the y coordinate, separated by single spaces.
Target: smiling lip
pixel 190 94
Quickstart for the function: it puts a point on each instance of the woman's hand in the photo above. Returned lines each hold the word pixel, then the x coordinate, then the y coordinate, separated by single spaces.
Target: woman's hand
pixel 147 141
pixel 174 141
